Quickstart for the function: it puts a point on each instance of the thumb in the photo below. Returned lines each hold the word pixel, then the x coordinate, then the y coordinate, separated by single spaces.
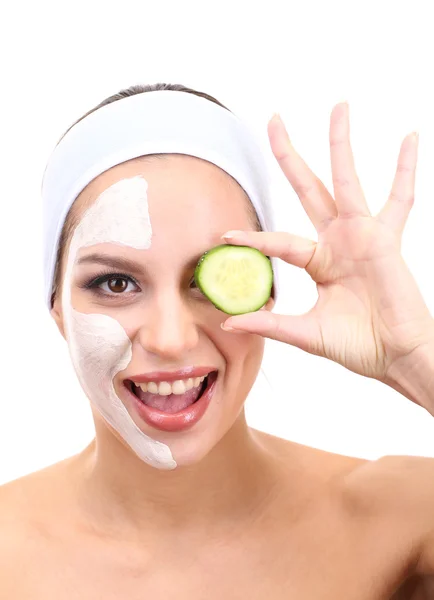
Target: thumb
pixel 302 331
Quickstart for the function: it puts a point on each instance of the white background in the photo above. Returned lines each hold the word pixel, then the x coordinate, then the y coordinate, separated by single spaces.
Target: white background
pixel 299 58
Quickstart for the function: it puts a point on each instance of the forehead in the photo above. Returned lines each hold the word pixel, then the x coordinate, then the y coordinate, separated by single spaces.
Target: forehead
pixel 181 189
pixel 191 203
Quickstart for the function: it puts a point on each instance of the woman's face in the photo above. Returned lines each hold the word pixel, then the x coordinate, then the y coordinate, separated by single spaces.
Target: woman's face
pixel 130 310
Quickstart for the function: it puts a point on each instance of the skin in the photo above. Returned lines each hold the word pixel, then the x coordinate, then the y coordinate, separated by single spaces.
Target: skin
pixel 250 514
pixel 171 324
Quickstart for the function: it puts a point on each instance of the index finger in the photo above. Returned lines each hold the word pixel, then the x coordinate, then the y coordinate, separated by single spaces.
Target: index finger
pixel 292 249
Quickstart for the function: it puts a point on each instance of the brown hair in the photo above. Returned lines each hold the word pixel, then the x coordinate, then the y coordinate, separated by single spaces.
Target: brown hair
pixel 71 217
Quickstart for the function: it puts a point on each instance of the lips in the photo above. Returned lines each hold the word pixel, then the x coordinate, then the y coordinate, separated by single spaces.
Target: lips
pixel 173 375
pixel 172 412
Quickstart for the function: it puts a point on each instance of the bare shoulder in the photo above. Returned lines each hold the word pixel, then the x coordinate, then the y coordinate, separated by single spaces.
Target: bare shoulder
pixel 320 465
pixel 397 494
pixel 27 507
pixel 392 481
pixel 384 504
pixel 32 492
pixel 368 482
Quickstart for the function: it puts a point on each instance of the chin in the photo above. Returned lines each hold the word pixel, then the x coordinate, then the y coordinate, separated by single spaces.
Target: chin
pixel 191 440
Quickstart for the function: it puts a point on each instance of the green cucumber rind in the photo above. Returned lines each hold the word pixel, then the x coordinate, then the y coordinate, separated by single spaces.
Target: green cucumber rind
pixel 197 277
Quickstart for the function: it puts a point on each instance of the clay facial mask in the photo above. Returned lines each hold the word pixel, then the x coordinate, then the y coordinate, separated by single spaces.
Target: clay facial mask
pixel 98 344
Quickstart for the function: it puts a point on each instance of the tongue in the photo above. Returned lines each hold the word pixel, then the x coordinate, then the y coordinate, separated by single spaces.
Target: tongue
pixel 170 404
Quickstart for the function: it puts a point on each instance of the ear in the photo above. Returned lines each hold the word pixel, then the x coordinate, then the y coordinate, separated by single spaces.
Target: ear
pixel 57 314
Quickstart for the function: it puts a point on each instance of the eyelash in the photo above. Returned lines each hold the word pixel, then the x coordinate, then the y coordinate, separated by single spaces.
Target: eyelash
pixel 94 283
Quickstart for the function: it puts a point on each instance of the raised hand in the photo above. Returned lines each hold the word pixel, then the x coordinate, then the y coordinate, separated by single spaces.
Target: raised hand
pixel 370 311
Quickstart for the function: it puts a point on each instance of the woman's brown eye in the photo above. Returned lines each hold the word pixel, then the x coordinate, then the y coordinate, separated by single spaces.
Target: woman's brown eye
pixel 117 285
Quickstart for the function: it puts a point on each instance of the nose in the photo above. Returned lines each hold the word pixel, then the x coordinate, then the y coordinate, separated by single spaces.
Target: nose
pixel 170 329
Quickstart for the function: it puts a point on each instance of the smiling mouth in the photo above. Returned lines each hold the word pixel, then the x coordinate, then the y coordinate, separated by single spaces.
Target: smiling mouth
pixel 171 397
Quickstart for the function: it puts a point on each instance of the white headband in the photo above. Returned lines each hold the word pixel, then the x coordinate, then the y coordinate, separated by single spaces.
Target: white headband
pixel 163 121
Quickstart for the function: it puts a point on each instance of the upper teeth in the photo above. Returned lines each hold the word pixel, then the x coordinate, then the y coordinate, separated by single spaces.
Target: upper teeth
pixel 164 388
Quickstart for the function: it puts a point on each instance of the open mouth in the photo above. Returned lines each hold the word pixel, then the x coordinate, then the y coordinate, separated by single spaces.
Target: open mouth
pixel 172 397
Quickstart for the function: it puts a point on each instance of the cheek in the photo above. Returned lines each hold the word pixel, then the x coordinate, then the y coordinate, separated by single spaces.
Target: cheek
pixel 80 299
pixel 243 355
pixel 99 345
pixel 241 350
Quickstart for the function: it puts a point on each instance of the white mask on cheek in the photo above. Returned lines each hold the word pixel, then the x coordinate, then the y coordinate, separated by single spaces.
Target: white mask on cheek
pixel 98 344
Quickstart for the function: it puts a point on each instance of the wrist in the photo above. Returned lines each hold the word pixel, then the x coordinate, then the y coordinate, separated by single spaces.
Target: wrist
pixel 413 376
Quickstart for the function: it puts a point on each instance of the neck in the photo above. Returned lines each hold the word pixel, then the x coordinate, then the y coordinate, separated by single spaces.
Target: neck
pixel 118 490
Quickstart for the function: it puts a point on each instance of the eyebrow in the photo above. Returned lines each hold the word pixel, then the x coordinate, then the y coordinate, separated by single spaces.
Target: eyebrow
pixel 123 264
pixel 117 262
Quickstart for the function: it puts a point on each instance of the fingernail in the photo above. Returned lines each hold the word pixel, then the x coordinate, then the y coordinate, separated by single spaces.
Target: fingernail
pixel 226 327
pixel 232 234
pixel 345 104
pixel 277 117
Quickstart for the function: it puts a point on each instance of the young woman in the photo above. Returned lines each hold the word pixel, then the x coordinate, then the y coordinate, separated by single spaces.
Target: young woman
pixel 177 497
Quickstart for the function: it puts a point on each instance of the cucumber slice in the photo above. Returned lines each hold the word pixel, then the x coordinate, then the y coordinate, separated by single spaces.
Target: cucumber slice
pixel 236 279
